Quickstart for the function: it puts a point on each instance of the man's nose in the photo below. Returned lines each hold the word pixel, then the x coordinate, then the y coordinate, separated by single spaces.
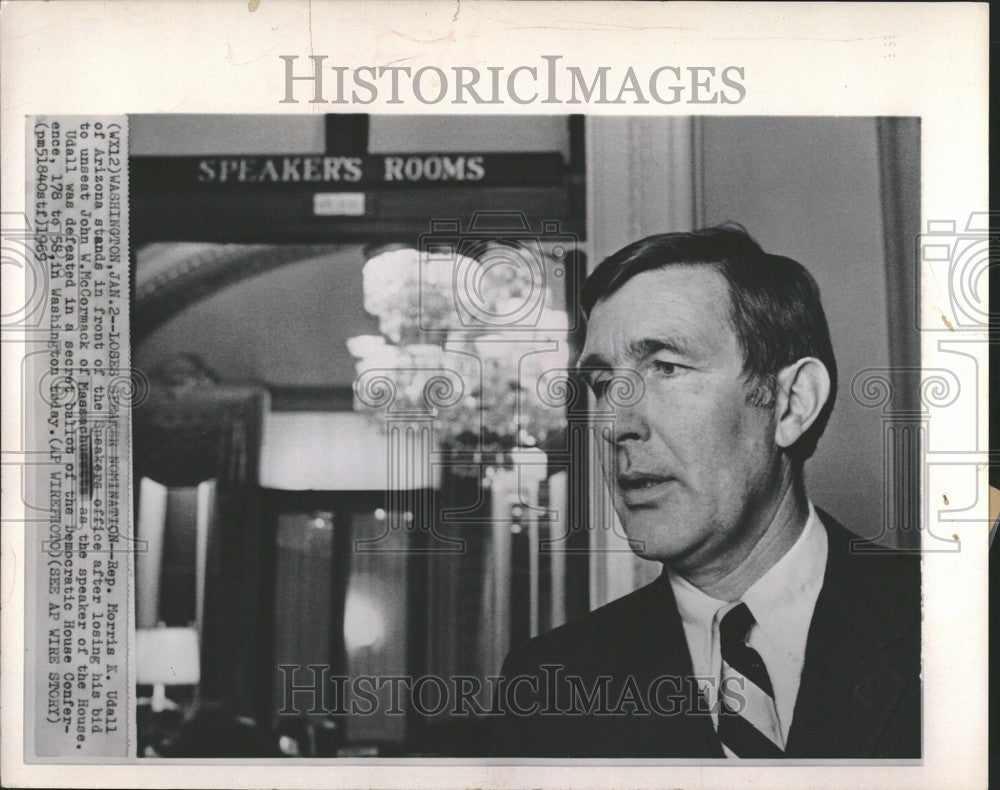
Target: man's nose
pixel 629 422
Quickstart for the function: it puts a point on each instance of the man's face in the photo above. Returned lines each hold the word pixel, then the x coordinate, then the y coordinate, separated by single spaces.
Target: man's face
pixel 691 463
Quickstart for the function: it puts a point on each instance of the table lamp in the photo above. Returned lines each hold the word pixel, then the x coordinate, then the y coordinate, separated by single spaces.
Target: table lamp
pixel 166 656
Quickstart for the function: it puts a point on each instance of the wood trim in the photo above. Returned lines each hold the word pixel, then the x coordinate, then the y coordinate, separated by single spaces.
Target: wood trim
pixel 346 133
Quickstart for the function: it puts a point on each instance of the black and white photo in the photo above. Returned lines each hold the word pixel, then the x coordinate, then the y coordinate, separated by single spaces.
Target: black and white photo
pixel 495 394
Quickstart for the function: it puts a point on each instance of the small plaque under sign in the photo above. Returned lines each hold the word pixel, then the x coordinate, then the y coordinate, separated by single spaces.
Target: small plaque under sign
pixel 339 204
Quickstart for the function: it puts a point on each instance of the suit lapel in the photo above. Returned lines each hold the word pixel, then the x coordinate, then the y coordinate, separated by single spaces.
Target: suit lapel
pixel 692 733
pixel 852 678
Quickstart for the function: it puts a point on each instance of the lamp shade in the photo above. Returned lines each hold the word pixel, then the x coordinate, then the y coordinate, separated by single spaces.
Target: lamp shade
pixel 331 451
pixel 167 655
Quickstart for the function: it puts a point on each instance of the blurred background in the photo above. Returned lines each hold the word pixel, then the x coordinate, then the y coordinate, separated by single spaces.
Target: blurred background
pixel 360 450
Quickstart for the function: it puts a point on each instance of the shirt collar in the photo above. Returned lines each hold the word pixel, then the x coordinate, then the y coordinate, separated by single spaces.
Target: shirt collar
pixel 694 606
pixel 790 585
pixel 787 593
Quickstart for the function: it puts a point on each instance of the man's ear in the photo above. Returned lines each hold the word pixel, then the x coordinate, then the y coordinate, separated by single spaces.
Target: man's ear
pixel 803 389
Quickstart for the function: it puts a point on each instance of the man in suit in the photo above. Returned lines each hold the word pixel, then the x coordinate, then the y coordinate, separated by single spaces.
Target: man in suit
pixel 769 633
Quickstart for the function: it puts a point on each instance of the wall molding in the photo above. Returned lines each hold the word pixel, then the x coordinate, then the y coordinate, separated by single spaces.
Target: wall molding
pixel 643 177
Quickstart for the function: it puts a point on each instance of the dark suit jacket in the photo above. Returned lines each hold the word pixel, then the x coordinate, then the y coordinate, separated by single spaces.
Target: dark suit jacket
pixel 859 694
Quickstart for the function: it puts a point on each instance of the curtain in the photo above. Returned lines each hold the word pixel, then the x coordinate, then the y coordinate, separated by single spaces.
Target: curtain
pixel 303 593
pixel 184 435
pixel 455 622
pixel 508 582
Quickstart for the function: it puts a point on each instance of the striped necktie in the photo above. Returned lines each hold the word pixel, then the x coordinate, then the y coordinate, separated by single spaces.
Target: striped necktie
pixel 748 719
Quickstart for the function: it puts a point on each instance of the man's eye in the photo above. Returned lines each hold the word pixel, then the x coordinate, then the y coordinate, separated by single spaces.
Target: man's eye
pixel 667 368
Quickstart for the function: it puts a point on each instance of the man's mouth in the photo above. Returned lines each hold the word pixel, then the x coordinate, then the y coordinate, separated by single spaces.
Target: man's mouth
pixel 638 488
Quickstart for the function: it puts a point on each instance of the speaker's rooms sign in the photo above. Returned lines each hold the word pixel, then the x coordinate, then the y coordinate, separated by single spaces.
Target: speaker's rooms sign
pixel 348 171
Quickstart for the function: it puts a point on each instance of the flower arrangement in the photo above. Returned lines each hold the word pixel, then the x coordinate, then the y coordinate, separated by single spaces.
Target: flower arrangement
pixel 409 296
pixel 462 341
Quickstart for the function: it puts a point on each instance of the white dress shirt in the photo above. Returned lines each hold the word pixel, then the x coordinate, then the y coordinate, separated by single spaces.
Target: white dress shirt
pixel 782 603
